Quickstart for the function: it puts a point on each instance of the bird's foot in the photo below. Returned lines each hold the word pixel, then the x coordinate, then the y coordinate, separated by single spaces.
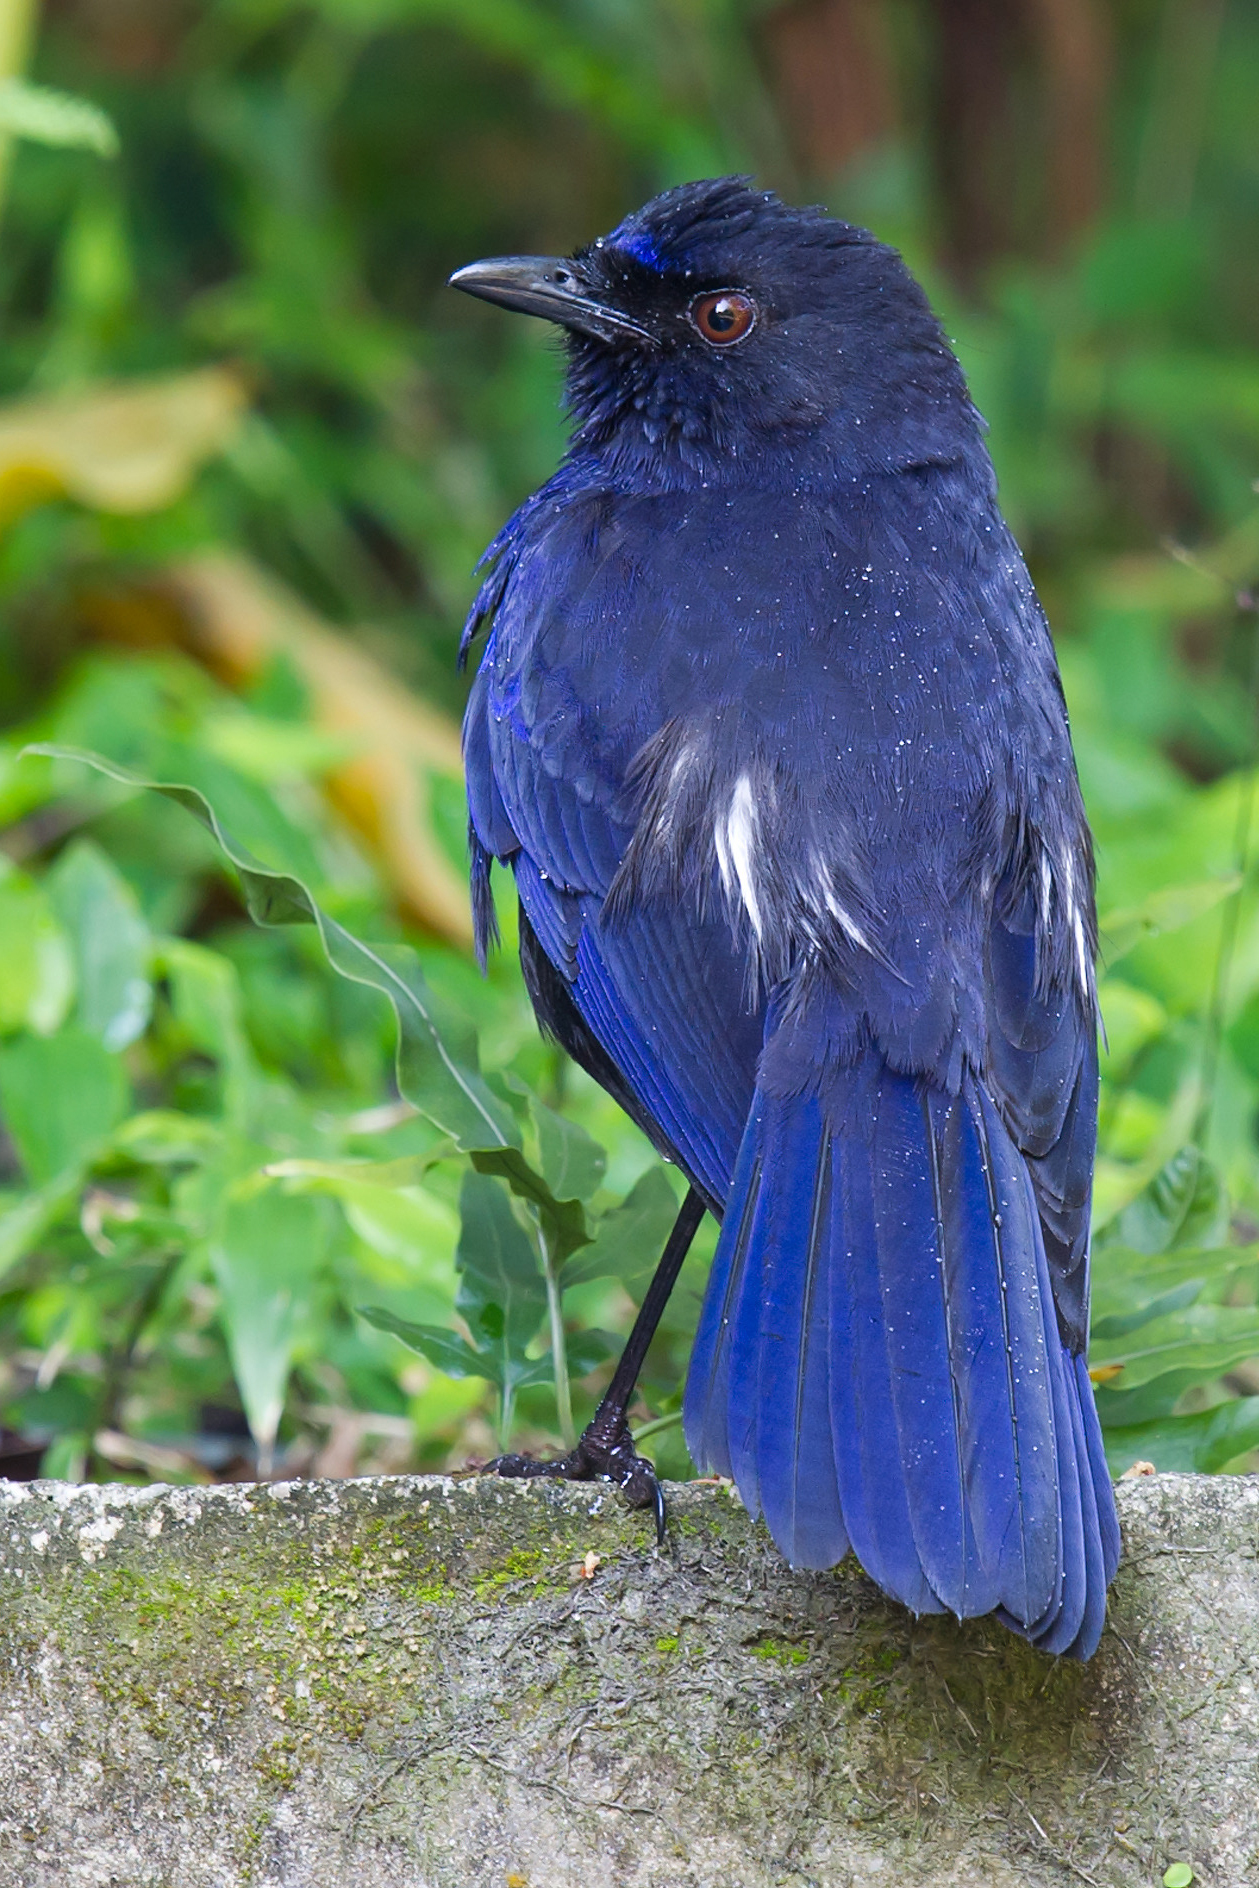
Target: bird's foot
pixel 605 1452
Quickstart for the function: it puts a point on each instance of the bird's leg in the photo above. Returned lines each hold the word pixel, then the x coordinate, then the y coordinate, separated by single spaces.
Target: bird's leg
pixel 605 1450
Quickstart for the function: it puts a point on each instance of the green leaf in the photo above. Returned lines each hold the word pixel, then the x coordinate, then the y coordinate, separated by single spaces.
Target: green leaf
pixel 563 1222
pixel 206 999
pixel 445 1350
pixel 267 1251
pixel 629 1240
pixel 1233 1430
pixel 572 1162
pixel 456 1098
pixel 62 1096
pixel 110 941
pixel 1203 1339
pixel 24 1221
pixel 161 1137
pixel 588 1349
pixel 502 1293
pixel 1169 909
pixel 399 1220
pixel 36 963
pixel 46 116
pixel 1183 1205
pixel 1130 1288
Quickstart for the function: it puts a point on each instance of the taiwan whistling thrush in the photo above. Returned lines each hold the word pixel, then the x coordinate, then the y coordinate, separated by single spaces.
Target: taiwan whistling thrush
pixel 769 728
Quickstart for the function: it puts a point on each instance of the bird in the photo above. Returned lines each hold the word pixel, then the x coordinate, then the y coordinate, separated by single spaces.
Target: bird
pixel 768 728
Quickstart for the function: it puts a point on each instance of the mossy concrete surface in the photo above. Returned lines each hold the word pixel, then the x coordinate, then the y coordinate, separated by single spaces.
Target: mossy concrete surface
pixel 424 1683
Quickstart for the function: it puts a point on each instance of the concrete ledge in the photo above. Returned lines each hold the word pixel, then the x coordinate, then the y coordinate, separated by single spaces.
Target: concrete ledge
pixel 420 1683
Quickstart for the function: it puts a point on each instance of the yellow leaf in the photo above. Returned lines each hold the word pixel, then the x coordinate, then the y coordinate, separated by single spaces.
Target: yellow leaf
pixel 128 447
pixel 238 619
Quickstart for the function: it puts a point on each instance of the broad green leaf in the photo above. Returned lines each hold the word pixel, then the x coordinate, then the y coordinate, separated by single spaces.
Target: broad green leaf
pixel 1204 1442
pixel 36 963
pixel 46 116
pixel 1169 909
pixel 1183 1205
pixel 502 1293
pixel 1204 1339
pixel 267 1251
pixel 1130 1288
pixel 110 941
pixel 572 1163
pixel 1232 1431
pixel 445 1350
pixel 456 1098
pixel 563 1222
pixel 62 1096
pixel 629 1240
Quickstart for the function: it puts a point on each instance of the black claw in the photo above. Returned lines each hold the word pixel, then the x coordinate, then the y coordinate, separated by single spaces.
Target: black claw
pixel 661 1514
pixel 604 1453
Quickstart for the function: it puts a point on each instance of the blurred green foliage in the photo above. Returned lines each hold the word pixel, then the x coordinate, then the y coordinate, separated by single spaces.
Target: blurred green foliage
pixel 211 1163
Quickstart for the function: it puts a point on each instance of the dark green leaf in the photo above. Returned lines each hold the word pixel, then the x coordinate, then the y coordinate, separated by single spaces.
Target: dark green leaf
pixel 628 1240
pixel 502 1294
pixel 572 1163
pixel 588 1349
pixel 563 1222
pixel 1184 1205
pixel 445 1350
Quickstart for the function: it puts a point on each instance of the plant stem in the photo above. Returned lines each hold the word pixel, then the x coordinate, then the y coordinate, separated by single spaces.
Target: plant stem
pixel 506 1416
pixel 657 1426
pixel 559 1346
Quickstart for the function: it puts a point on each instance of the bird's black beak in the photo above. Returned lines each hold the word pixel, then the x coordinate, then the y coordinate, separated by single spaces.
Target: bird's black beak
pixel 551 287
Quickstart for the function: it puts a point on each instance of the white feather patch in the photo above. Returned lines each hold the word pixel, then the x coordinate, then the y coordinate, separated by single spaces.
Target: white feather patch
pixel 736 839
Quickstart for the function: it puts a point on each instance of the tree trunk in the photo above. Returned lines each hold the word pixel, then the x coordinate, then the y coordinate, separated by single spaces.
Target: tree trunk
pixel 447 1684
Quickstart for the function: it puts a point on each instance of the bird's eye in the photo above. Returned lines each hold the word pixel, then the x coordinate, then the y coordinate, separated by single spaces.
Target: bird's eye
pixel 724 317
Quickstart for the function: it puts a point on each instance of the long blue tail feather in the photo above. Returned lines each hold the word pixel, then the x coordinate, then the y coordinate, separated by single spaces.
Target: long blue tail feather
pixel 878 1361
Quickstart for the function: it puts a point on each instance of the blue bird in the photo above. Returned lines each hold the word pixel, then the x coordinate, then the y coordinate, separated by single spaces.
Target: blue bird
pixel 769 728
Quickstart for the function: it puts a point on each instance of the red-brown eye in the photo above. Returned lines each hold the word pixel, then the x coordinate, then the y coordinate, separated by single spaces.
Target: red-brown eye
pixel 723 317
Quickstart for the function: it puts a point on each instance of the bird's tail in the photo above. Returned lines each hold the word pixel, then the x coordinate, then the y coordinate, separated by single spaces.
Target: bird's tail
pixel 878 1362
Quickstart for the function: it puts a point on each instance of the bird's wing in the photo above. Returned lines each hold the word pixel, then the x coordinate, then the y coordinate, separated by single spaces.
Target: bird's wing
pixel 1042 1070
pixel 660 988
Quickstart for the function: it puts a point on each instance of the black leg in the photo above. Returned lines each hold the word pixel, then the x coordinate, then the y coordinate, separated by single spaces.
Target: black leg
pixel 605 1451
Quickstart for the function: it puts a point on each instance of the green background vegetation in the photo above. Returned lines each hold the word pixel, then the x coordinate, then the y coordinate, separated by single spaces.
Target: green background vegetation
pixel 210 1160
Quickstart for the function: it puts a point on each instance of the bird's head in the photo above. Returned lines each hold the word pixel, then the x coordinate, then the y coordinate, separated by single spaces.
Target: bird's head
pixel 718 332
